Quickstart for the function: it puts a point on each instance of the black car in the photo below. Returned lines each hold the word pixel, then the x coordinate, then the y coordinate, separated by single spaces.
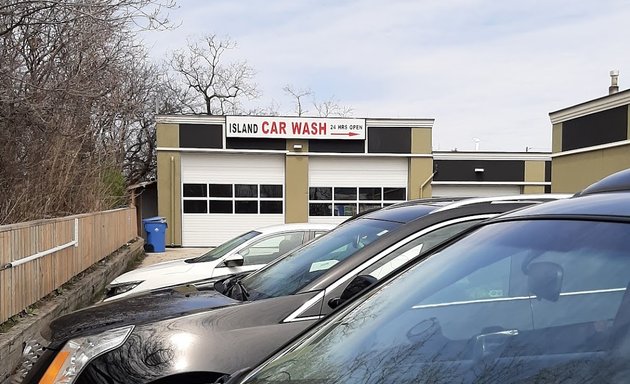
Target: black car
pixel 541 295
pixel 198 335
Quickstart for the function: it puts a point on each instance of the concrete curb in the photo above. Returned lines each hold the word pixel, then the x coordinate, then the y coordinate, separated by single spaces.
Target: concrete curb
pixel 78 293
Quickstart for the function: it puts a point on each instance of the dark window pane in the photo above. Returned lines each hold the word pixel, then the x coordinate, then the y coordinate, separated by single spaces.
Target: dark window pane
pixel 245 190
pixel 395 194
pixel 320 193
pixel 220 190
pixel 246 206
pixel 365 207
pixel 195 206
pixel 195 190
pixel 220 206
pixel 370 193
pixel 345 193
pixel 271 207
pixel 270 190
pixel 347 209
pixel 320 209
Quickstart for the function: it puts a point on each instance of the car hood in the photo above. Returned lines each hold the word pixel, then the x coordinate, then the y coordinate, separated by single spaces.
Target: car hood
pixel 169 270
pixel 135 310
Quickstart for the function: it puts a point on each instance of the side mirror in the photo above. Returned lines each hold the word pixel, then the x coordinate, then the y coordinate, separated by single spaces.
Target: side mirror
pixel 358 284
pixel 234 260
pixel 544 279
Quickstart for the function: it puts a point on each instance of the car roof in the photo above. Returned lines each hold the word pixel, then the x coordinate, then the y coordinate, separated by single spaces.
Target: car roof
pixel 475 207
pixel 406 211
pixel 294 227
pixel 611 204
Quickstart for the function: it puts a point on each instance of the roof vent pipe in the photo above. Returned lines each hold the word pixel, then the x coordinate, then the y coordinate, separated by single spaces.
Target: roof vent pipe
pixel 614 82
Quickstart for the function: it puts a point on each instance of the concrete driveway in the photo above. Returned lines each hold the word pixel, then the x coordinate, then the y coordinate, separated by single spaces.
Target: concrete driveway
pixel 172 254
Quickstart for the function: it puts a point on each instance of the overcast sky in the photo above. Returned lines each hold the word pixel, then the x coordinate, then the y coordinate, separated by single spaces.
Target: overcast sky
pixel 486 69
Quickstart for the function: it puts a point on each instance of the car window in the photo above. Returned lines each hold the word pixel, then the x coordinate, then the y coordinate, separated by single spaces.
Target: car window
pixel 412 249
pixel 266 250
pixel 297 269
pixel 514 302
pixel 224 248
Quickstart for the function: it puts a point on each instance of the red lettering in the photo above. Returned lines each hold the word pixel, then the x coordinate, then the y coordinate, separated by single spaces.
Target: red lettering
pixel 283 127
pixel 265 130
pixel 322 129
pixel 295 127
pixel 274 128
pixel 305 129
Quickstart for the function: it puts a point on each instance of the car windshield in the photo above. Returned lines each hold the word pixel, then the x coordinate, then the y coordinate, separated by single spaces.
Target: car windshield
pixel 297 269
pixel 224 248
pixel 540 301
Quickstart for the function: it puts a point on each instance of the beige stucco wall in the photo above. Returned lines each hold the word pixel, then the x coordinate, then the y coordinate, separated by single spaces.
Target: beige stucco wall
pixel 556 138
pixel 534 172
pixel 572 173
pixel 296 184
pixel 169 181
pixel 420 168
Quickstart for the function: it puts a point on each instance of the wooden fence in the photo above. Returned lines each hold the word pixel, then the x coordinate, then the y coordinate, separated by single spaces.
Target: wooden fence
pixel 38 257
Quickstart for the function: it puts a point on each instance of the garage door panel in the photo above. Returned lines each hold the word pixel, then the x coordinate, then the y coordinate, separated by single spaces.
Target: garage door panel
pixel 229 169
pixel 358 172
pixel 212 229
pixel 331 174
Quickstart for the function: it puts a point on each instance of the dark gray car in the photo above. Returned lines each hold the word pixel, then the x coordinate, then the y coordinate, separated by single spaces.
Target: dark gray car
pixel 197 335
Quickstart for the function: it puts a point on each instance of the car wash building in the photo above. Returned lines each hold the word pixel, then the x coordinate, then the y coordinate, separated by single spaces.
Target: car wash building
pixel 219 176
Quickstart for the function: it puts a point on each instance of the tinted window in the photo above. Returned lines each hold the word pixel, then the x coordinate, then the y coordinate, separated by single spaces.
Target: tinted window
pixel 220 190
pixel 320 193
pixel 270 206
pixel 221 206
pixel 195 190
pixel 296 270
pixel 195 206
pixel 245 190
pixel 224 248
pixel 270 190
pixel 247 206
pixel 485 310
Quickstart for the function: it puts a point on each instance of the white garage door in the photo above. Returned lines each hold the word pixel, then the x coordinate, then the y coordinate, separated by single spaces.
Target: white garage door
pixel 464 190
pixel 340 187
pixel 224 195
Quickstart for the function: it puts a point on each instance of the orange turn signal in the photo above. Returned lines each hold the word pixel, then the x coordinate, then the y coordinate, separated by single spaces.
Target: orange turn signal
pixel 54 368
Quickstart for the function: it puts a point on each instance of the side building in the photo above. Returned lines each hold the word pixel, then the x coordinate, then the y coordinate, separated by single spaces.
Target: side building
pixel 590 140
pixel 490 173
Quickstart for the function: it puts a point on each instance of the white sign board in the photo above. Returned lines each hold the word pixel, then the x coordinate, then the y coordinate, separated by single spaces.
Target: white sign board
pixel 262 127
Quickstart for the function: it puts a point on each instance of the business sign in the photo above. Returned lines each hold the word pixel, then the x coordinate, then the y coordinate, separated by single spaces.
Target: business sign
pixel 295 127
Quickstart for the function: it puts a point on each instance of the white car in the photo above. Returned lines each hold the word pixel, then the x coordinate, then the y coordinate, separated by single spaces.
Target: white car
pixel 247 252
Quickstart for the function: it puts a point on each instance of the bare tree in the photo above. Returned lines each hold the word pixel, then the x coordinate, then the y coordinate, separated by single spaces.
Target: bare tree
pixel 76 104
pixel 298 96
pixel 331 107
pixel 204 80
pixel 326 108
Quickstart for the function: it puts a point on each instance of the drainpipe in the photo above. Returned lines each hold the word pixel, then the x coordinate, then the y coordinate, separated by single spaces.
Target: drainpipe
pixel 425 183
pixel 173 186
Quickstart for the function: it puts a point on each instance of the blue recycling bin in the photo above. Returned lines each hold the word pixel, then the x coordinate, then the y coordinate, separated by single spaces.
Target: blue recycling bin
pixel 155 227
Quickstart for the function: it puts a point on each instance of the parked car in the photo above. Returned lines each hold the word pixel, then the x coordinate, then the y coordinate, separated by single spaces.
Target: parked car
pixel 196 335
pixel 541 295
pixel 247 252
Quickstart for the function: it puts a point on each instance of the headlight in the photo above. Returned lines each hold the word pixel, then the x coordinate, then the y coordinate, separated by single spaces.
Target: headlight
pixel 77 353
pixel 118 289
